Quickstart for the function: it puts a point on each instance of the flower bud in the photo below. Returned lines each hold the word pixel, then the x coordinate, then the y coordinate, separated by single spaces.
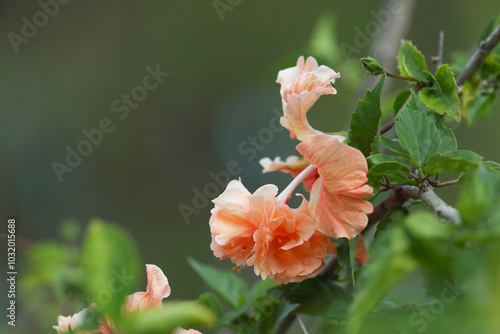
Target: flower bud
pixel 372 65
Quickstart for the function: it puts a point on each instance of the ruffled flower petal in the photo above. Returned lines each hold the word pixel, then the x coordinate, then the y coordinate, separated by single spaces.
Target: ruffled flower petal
pixel 278 241
pixel 301 86
pixel 157 289
pixel 336 197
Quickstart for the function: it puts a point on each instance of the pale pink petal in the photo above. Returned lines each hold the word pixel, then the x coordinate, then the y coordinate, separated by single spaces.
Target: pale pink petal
pixel 74 322
pixel 336 197
pixel 157 289
pixel 180 330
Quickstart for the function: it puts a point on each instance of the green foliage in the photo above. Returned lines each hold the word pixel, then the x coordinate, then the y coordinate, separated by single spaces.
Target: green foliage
pixel 390 253
pixel 411 62
pixel 476 100
pixel 110 265
pixel 418 135
pixel 346 250
pixel 441 93
pixel 365 121
pixel 166 319
pixel 319 296
pixel 480 196
pixel 454 161
pixel 395 171
pixel 226 284
pixel 400 100
pixel 394 217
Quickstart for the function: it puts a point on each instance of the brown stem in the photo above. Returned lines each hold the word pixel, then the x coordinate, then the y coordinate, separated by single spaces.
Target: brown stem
pixel 400 77
pixel 447 183
pixel 479 56
pixel 401 194
pixel 395 199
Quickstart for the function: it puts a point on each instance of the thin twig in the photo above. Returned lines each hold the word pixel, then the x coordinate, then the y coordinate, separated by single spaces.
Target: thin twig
pixel 395 76
pixel 395 199
pixel 401 194
pixel 444 184
pixel 433 201
pixel 479 56
pixel 440 50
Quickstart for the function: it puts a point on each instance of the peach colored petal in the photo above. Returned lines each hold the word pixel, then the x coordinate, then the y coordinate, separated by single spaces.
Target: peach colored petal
pixel 233 223
pixel 292 165
pixel 288 248
pixel 336 197
pixel 180 330
pixel 278 241
pixel 157 289
pixel 362 254
pixel 301 86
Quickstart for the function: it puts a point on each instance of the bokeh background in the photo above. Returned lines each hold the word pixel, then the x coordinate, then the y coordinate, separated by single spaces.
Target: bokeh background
pixel 220 91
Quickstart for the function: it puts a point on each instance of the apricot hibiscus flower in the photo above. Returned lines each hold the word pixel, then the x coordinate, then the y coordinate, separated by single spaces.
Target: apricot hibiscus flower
pixel 301 86
pixel 260 229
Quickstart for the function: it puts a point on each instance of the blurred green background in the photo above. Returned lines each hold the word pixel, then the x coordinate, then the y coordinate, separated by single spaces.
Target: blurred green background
pixel 220 90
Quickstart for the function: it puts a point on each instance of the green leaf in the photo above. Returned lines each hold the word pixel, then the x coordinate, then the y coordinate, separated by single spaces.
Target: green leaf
pixel 479 107
pixel 166 319
pixel 395 147
pixel 395 216
pixel 416 103
pixel 417 134
pixel 429 244
pixel 454 161
pixel 441 95
pixel 226 284
pixel 400 100
pixel 318 296
pixel 211 302
pixel 396 171
pixel 375 159
pixel 488 29
pixel 346 250
pixel 390 263
pixel 480 195
pixel 261 288
pixel 448 141
pixel 110 264
pixel 365 121
pixel 411 62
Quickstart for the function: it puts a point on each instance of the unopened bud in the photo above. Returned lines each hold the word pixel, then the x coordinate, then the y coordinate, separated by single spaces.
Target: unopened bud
pixel 372 65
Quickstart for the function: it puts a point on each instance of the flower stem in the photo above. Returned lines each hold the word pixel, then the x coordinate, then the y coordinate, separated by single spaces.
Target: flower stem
pixel 400 77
